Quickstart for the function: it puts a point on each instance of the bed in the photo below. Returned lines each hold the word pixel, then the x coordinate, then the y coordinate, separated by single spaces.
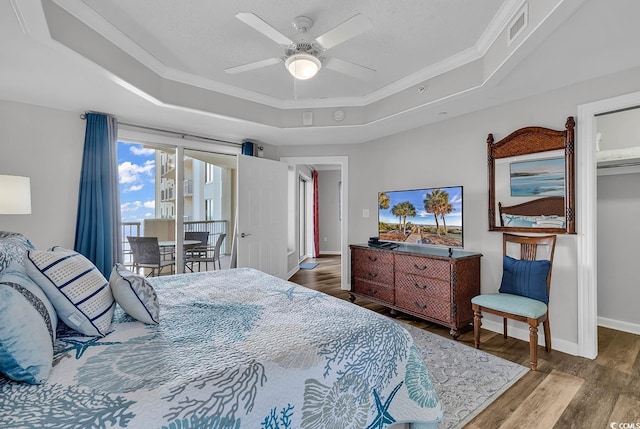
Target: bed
pixel 546 212
pixel 232 349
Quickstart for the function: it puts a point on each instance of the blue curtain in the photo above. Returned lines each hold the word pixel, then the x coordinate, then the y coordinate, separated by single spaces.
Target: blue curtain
pixel 98 218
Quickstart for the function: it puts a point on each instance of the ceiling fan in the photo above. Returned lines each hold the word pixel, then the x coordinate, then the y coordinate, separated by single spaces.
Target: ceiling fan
pixel 304 59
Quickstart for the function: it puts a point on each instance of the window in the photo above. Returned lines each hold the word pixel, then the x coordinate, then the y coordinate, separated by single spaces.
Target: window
pixel 210 209
pixel 209 173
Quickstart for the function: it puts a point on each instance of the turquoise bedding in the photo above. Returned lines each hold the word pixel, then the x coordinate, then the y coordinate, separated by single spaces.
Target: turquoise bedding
pixel 234 349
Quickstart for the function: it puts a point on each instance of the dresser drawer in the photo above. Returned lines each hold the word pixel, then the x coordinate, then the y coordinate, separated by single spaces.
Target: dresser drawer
pixel 374 290
pixel 424 305
pixel 373 266
pixel 434 268
pixel 421 285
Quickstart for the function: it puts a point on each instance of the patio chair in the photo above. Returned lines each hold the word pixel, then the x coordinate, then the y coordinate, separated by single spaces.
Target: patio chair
pixel 146 254
pixel 210 254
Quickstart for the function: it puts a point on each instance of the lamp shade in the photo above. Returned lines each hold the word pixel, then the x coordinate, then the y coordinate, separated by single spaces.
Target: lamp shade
pixel 15 195
pixel 302 66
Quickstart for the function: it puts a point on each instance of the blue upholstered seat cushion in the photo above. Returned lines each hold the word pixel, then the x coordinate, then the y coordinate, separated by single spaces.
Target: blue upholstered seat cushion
pixel 28 324
pixel 79 292
pixel 135 295
pixel 514 304
pixel 13 246
pixel 525 278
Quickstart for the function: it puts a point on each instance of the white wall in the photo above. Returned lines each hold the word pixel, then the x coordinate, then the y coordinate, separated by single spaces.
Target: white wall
pixel 453 152
pixel 618 238
pixel 328 201
pixel 46 145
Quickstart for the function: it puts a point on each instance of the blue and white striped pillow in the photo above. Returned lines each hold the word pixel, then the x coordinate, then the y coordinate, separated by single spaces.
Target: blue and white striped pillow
pixel 79 292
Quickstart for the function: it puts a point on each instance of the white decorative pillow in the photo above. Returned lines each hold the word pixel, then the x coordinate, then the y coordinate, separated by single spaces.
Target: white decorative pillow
pixel 79 292
pixel 28 325
pixel 13 246
pixel 135 295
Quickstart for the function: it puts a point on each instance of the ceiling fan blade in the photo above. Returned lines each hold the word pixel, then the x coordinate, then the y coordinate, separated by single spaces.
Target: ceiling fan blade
pixel 351 69
pixel 352 27
pixel 253 66
pixel 255 22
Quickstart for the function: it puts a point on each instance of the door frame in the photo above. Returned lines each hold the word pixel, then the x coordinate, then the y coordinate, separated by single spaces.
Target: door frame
pixel 586 182
pixel 307 221
pixel 343 162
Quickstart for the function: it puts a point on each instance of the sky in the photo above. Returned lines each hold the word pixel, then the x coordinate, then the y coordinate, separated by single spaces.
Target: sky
pixel 136 175
pixel 416 197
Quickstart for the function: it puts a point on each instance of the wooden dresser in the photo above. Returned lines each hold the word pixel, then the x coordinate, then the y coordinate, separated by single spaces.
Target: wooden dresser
pixel 422 281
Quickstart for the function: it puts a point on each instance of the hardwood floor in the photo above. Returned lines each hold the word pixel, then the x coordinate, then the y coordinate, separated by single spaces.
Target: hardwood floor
pixel 566 391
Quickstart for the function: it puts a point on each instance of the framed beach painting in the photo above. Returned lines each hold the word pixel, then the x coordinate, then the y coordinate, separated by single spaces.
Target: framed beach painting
pixel 537 178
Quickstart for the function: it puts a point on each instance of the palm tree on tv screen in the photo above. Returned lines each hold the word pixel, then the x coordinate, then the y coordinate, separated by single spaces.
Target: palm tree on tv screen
pixel 403 210
pixel 437 203
pixel 383 201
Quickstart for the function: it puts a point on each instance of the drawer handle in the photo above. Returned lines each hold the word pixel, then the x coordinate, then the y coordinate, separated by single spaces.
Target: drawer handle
pixel 421 306
pixel 373 291
pixel 423 287
pixel 422 268
pixel 372 258
pixel 373 275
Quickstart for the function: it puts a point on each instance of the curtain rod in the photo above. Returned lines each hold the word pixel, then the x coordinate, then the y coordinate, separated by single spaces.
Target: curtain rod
pixel 182 135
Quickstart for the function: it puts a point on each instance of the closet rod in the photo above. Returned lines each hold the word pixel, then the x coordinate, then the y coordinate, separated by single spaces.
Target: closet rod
pixel 182 135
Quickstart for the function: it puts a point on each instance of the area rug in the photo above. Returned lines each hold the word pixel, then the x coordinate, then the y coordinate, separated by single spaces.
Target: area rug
pixel 308 265
pixel 466 379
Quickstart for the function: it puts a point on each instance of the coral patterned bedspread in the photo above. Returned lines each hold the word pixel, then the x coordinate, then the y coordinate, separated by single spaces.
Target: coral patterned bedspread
pixel 234 349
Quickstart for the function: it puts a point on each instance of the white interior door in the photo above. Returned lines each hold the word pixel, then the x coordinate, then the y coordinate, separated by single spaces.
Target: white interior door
pixel 262 215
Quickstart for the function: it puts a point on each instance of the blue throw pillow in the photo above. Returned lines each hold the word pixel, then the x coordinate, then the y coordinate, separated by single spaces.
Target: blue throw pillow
pixel 28 324
pixel 525 278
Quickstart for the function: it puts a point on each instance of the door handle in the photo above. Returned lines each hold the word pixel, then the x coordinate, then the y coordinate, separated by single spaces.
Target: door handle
pixel 243 235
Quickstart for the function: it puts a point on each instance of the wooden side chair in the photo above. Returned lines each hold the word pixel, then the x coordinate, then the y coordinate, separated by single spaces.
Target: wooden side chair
pixel 524 291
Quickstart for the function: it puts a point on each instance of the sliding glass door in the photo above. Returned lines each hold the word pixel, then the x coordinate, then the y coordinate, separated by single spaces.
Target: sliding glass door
pixel 168 197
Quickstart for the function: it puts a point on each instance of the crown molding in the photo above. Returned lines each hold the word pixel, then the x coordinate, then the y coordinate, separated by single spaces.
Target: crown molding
pixel 98 23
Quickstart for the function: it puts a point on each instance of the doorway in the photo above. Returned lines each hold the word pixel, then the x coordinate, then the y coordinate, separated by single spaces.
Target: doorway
pixel 587 218
pixel 341 163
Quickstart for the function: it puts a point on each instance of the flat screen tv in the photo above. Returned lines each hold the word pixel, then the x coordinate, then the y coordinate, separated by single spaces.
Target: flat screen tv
pixel 428 216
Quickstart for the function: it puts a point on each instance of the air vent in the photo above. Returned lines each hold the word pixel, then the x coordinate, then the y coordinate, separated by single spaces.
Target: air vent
pixel 518 24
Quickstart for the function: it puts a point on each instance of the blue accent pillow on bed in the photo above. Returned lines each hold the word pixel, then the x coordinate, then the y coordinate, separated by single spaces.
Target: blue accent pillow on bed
pixel 135 295
pixel 525 278
pixel 79 292
pixel 28 325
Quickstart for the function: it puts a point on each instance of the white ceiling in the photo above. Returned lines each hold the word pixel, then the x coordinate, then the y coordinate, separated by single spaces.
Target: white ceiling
pixel 161 63
pixel 202 38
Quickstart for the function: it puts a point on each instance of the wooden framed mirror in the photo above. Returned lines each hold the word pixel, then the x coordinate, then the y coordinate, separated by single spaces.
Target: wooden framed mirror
pixel 532 180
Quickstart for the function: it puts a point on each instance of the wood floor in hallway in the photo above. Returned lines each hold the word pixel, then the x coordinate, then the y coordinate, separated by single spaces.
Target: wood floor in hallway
pixel 566 391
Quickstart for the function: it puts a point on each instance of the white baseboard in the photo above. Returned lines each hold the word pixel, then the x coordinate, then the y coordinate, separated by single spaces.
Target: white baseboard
pixel 523 334
pixel 330 252
pixel 293 271
pixel 619 325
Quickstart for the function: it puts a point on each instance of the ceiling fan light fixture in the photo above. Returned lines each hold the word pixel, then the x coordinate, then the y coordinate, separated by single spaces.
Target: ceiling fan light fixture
pixel 302 66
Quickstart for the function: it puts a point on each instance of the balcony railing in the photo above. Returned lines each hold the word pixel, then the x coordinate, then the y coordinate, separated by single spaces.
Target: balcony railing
pixel 213 227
